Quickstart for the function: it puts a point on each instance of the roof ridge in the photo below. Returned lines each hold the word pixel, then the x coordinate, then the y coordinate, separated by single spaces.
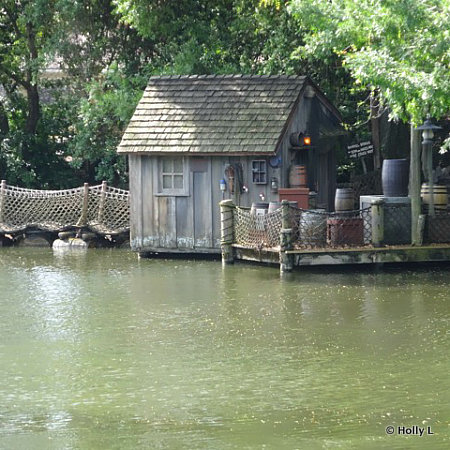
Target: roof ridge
pixel 227 76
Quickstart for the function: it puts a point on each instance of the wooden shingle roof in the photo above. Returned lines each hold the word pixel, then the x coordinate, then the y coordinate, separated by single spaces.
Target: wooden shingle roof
pixel 212 114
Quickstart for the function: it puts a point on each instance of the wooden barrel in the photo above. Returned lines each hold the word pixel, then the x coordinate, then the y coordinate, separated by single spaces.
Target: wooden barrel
pixel 440 197
pixel 297 176
pixel 395 177
pixel 344 199
pixel 313 228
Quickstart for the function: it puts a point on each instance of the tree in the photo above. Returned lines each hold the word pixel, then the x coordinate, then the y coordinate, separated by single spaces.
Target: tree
pixel 397 49
pixel 40 117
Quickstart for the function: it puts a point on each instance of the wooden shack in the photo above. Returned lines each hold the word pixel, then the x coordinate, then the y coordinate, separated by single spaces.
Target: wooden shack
pixel 195 140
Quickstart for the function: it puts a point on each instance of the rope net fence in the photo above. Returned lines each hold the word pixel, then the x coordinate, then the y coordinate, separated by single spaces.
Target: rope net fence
pixel 437 228
pixel 320 229
pixel 310 228
pixel 101 208
pixel 257 231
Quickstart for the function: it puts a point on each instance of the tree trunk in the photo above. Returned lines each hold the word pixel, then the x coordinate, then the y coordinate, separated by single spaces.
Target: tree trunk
pixel 33 109
pixel 30 85
pixel 4 124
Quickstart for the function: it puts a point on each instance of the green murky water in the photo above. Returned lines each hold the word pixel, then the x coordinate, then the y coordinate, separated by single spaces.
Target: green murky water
pixel 100 350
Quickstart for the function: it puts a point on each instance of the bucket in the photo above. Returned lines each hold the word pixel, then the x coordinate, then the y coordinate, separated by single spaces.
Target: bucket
pixel 313 228
pixel 344 200
pixel 297 176
pixel 273 206
pixel 440 197
pixel 259 208
pixel 395 177
pixel 259 211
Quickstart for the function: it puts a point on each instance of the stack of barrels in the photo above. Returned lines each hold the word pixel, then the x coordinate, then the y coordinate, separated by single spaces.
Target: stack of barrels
pixel 394 180
pixel 346 227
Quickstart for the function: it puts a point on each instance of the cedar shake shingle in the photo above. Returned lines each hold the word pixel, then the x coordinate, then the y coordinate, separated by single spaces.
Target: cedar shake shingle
pixel 212 114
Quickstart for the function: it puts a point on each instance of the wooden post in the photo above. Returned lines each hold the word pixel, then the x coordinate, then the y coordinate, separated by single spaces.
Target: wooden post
pixel 84 209
pixel 286 259
pixel 414 185
pixel 420 228
pixel 227 230
pixel 429 165
pixel 2 199
pixel 377 222
pixel 101 205
pixel 375 124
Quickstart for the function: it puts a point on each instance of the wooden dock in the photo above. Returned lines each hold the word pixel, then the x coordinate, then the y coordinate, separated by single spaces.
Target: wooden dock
pixel 292 238
pixel 361 255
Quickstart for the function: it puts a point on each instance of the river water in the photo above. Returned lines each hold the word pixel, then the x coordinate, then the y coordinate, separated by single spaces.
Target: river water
pixel 101 350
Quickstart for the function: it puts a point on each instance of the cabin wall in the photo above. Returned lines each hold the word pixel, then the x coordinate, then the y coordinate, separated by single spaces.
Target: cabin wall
pixel 188 223
pixel 182 223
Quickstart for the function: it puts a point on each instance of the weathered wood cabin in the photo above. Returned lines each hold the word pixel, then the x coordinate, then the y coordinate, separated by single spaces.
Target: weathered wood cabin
pixel 195 140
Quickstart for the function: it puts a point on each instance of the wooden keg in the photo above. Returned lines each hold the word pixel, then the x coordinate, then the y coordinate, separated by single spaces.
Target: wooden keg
pixel 297 176
pixel 344 199
pixel 440 197
pixel 313 228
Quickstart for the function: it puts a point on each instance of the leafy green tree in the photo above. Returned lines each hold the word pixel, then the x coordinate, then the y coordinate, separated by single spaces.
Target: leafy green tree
pixel 397 49
pixel 40 117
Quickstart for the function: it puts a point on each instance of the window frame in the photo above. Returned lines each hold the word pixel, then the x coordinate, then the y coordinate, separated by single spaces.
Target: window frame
pixel 259 171
pixel 172 191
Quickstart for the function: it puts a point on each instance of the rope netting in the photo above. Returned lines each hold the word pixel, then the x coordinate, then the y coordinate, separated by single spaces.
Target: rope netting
pixel 257 231
pixel 102 208
pixel 108 211
pixel 310 228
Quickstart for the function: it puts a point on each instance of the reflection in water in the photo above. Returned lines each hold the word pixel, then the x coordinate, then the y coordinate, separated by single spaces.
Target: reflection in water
pixel 102 350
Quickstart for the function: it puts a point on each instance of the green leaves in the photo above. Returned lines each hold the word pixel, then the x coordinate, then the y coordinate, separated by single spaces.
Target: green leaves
pixel 399 47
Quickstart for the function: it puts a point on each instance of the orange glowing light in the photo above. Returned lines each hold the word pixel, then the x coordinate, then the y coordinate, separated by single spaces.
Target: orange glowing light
pixel 306 140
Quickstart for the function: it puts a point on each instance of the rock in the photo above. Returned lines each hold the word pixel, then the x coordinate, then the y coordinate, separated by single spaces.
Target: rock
pixel 74 243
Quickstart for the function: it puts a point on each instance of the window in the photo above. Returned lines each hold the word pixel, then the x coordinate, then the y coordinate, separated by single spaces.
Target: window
pixel 172 175
pixel 259 171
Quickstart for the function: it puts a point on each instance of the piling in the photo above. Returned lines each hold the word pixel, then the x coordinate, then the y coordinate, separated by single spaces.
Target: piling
pixel 286 259
pixel 377 207
pixel 227 230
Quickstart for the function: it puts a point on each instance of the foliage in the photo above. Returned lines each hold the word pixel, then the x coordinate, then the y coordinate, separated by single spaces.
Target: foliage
pixel 40 119
pixel 398 49
pixel 100 124
pixel 57 132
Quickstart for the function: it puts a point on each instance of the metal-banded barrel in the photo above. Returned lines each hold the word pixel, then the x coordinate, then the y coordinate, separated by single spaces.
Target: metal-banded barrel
pixel 344 199
pixel 297 176
pixel 440 197
pixel 395 177
pixel 313 228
